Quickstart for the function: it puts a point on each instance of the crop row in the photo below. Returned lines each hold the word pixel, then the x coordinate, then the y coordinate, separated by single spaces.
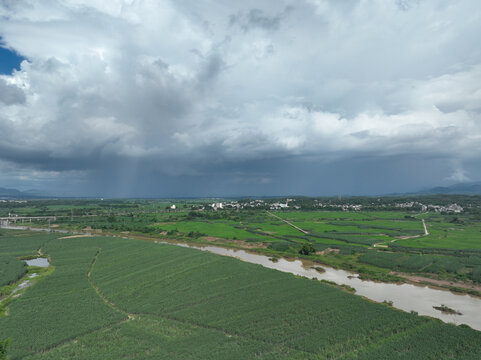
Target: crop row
pixel 247 300
pixel 61 306
pixel 186 304
pixel 11 269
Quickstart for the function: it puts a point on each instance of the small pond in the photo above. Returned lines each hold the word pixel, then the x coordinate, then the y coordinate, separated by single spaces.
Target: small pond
pixel 40 262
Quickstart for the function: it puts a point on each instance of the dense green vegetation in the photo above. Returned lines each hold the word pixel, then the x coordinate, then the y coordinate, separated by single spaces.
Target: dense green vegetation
pixel 63 305
pixel 468 267
pixel 3 348
pixel 11 269
pixel 17 244
pixel 340 234
pixel 114 298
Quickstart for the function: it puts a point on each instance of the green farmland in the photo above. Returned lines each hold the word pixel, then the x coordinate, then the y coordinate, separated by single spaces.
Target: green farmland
pixel 453 232
pixel 114 298
pixel 358 241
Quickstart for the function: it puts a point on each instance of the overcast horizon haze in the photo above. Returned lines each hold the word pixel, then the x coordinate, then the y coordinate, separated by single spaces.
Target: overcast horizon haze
pixel 224 98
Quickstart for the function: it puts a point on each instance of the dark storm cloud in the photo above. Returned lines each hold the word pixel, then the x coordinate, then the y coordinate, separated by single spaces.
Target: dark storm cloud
pixel 291 176
pixel 303 97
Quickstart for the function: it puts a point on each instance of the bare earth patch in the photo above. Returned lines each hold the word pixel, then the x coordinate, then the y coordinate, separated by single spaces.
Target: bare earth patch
pixel 250 245
pixel 240 243
pixel 444 283
pixel 75 236
pixel 328 251
pixel 212 238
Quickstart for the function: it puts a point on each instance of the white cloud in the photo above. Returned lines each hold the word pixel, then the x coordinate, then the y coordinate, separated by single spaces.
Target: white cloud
pixel 182 80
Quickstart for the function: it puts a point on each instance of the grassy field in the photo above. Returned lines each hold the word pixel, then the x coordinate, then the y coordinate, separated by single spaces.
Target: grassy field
pixel 322 227
pixel 450 232
pixel 353 240
pixel 114 298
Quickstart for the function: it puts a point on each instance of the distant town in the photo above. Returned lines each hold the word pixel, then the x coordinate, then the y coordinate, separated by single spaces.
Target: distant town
pixel 430 204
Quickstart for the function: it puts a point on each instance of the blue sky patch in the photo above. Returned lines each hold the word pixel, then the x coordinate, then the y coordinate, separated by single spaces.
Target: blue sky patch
pixel 9 60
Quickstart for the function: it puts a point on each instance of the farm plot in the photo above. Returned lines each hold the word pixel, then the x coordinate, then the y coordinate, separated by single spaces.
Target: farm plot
pixel 248 301
pixel 11 269
pixel 217 229
pixel 23 243
pixel 12 245
pixel 60 307
pixel 463 266
pixel 116 298
pixel 446 235
pixel 363 229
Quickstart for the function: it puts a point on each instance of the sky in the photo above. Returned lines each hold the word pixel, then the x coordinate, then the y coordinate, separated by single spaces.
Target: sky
pixel 133 98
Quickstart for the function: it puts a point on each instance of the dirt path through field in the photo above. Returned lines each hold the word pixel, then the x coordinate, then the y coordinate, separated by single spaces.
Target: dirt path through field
pixel 426 232
pixel 99 293
pixel 382 244
pixel 288 223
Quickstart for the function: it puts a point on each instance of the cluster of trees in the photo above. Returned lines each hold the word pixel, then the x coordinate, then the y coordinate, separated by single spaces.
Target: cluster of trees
pixel 307 249
pixel 3 348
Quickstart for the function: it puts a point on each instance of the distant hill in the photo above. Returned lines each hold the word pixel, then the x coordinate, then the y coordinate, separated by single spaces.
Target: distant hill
pixel 473 188
pixel 10 192
pixel 35 192
pixel 17 194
